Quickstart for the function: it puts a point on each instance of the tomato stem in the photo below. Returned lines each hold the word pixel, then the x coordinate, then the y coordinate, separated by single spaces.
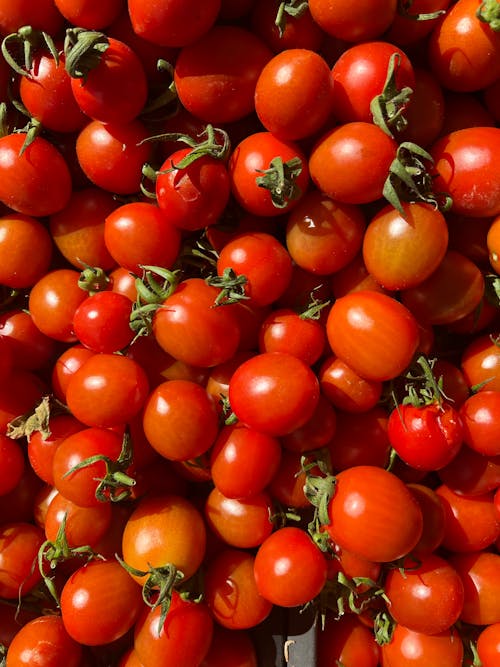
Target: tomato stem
pixel 83 50
pixel 294 8
pixel 280 179
pixel 93 279
pixel 489 12
pixel 404 7
pixel 25 42
pixel 388 107
pixel 231 286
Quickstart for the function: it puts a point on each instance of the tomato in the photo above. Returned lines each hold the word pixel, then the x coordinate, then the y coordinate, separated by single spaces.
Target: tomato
pixel 35 182
pixel 293 94
pixel 44 641
pixel 492 243
pixel 88 13
pixel 92 603
pixel 346 641
pixel 107 390
pixel 359 75
pixel 316 432
pixel 434 519
pixel 463 49
pixel 480 363
pixel 19 233
pixel 231 648
pixel 285 330
pixel 193 196
pixel 471 473
pixel 244 523
pixel 78 229
pixel 231 592
pixel 111 155
pixel 45 16
pixel 83 526
pixel 263 261
pixel 323 235
pixel 131 247
pixel 83 486
pixel 13 462
pixel 426 437
pixel 367 20
pixel 350 163
pixel 243 460
pixel 360 330
pixel 289 569
pixel 427 599
pixel 295 30
pixel 274 392
pixel 402 251
pixel 480 422
pixel 288 483
pixel 449 294
pixel 354 276
pixel 268 175
pixel 370 501
pixel 164 530
pixel 360 438
pixel 471 522
pixel 189 328
pixel 67 363
pixel 465 167
pixel 19 545
pixel 174 24
pixel 212 86
pixel 182 641
pixel 53 300
pixel 488 645
pixel 453 381
pixel 345 389
pixel 408 648
pixel 46 93
pixel 32 349
pixel 180 420
pixel 479 573
pixel 102 322
pixel 407 29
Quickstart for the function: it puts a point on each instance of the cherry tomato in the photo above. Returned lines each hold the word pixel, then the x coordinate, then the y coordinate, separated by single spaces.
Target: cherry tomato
pixel 83 526
pixel 19 233
pixel 88 13
pixel 345 389
pixel 478 413
pixel 102 322
pixel 347 641
pixel 480 363
pixel 479 572
pixel 434 519
pixel 416 649
pixel 19 545
pixel 44 641
pixel 488 645
pixel 368 19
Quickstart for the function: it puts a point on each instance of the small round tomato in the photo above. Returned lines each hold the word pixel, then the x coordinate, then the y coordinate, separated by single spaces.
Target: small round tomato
pixel 433 513
pixel 367 502
pixel 361 329
pixel 289 30
pixel 350 163
pixel 83 526
pixel 323 235
pixel 88 13
pixel 488 645
pixel 19 545
pixel 480 363
pixel 480 576
pixel 44 641
pixel 100 603
pixel 32 349
pixel 479 414
pixel 345 389
pixel 102 322
pixel 19 266
pixel 107 390
pixel 19 395
pixel 401 251
pixel 408 648
pixel 67 363
pixel 316 432
pixel 274 392
pixel 366 20
pixel 471 473
pixel 285 330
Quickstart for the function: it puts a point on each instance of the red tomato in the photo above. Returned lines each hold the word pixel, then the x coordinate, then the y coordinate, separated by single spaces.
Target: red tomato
pixel 268 175
pixel 65 366
pixel 480 576
pixel 465 167
pixel 479 414
pixel 285 330
pixel 92 606
pixel 44 641
pixel 107 390
pixel 464 48
pixel 83 526
pixel 102 322
pixel 180 420
pixel 212 86
pixel 32 349
pixel 43 16
pixel 350 163
pixel 370 501
pixel 471 473
pixel 89 13
pixel 366 20
pixel 19 234
pixel 480 363
pixel 273 392
pixel 434 519
pixel 345 389
pixel 316 432
pixel 19 396
pixel 416 649
pixel 347 641
pixel 13 462
pixel 35 182
pixel 361 327
pixel 488 645
pixel 19 545
pixel 138 234
pixel 295 29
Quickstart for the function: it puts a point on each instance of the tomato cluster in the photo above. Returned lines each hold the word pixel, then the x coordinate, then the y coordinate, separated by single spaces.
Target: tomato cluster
pixel 249 330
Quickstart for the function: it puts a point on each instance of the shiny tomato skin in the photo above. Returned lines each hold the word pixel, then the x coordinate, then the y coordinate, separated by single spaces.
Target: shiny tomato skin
pixel 345 389
pixel 365 21
pixel 426 437
pixel 434 519
pixel 19 545
pixel 480 363
pixel 274 392
pixel 369 501
pixel 89 14
pixel 19 233
pixel 415 649
pixel 488 645
pixel 480 575
pixel 465 167
pixel 360 330
pixel 102 322
pixel 92 605
pixel 479 414
pixel 471 473
pixel 285 330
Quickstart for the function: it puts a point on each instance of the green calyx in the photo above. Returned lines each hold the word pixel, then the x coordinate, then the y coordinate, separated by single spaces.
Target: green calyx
pixel 151 293
pixel 280 178
pixel 489 12
pixel 286 8
pixel 388 107
pixel 83 50
pixel 19 47
pixel 404 9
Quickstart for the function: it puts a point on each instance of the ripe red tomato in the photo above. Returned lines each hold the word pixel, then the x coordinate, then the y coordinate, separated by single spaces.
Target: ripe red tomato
pixel 488 645
pixel 273 392
pixel 88 13
pixel 19 545
pixel 44 641
pixel 434 518
pixel 480 576
pixel 32 349
pixel 480 363
pixel 83 526
pixel 366 20
pixel 408 648
pixel 285 330
pixel 345 389
pixel 346 640
pixel 369 501
pixel 479 414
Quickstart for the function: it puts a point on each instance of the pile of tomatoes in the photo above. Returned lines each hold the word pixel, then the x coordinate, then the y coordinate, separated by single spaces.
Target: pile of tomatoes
pixel 249 330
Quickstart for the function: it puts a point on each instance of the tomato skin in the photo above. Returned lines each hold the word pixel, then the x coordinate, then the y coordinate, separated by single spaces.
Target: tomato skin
pixel 13 463
pixel 274 392
pixel 365 21
pixel 479 414
pixel 19 233
pixel 67 363
pixel 359 76
pixel 253 155
pixel 426 437
pixel 285 330
pixel 366 498
pixel 488 645
pixel 463 50
pixel 471 473
pixel 44 641
pixel 480 363
pixel 19 545
pixel 180 420
pixel 43 16
pixel 128 244
pixel 84 526
pixel 360 330
pixel 350 163
pixel 434 519
pixel 184 639
pixel 88 13
pixel 92 603
pixel 345 389
pixel 19 395
pixel 316 432
pixel 347 641
pixel 279 560
pixel 107 390
pixel 415 649
pixel 36 183
pixel 479 573
pixel 300 32
pixel 465 167
pixel 102 322
pixel 213 87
